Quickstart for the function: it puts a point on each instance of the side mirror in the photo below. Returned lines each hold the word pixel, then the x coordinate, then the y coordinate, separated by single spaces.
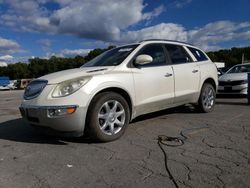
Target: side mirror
pixel 143 59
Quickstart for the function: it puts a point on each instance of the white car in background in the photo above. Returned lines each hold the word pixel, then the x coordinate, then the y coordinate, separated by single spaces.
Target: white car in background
pixel 234 81
pixel 10 86
pixel 104 95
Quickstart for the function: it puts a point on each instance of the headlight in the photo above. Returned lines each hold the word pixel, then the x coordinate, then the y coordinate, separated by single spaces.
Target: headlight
pixel 70 86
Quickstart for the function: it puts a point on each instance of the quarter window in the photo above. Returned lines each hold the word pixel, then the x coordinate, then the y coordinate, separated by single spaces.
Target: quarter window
pixel 198 54
pixel 178 54
pixel 156 52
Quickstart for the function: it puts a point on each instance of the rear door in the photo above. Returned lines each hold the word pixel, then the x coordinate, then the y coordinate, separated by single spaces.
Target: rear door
pixel 154 82
pixel 186 74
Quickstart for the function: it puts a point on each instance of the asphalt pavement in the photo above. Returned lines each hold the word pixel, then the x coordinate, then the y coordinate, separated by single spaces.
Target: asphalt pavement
pixel 215 154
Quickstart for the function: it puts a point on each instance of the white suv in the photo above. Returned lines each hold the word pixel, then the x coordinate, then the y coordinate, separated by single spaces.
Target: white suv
pixel 104 95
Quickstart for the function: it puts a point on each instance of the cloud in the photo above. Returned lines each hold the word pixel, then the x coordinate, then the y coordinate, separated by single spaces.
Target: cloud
pixel 3 64
pixel 102 22
pixel 45 44
pixel 156 12
pixel 6 58
pixel 212 34
pixel 161 31
pixel 110 22
pixel 26 15
pixel 68 53
pixel 207 37
pixel 181 3
pixel 96 19
pixel 71 53
pixel 23 59
pixel 8 46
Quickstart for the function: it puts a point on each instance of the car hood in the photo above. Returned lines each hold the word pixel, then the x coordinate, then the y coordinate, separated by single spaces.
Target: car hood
pixel 61 76
pixel 233 77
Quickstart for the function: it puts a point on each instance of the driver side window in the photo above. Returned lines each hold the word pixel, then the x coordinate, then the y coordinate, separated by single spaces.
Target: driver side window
pixel 156 52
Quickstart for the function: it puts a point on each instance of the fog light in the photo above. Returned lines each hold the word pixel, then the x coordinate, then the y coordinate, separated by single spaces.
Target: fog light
pixel 55 112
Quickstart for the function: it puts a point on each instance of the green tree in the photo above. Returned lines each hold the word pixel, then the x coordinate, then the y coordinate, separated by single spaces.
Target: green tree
pixel 231 56
pixel 17 71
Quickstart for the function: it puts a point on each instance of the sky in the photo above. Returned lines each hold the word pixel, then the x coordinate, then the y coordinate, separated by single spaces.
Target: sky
pixel 65 28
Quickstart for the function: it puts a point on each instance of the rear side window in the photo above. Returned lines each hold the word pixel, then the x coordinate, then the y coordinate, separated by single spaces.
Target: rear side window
pixel 156 51
pixel 178 54
pixel 199 55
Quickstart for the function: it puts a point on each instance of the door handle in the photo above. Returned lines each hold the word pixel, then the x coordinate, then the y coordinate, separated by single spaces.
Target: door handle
pixel 195 71
pixel 168 75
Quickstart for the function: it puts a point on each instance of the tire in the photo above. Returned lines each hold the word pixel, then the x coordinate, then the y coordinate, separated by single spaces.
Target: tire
pixel 207 98
pixel 108 117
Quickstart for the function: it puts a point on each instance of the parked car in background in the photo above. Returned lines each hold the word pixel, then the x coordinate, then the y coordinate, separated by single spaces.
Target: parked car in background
pixel 104 95
pixel 22 83
pixel 12 84
pixel 2 88
pixel 4 82
pixel 234 81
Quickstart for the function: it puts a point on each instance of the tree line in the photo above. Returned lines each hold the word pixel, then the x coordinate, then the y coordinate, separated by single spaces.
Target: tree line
pixel 231 56
pixel 38 67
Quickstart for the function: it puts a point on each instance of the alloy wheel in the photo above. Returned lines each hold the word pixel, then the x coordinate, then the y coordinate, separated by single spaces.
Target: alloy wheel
pixel 111 117
pixel 208 98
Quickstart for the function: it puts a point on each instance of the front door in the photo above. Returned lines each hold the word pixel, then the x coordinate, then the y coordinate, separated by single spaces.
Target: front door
pixel 154 82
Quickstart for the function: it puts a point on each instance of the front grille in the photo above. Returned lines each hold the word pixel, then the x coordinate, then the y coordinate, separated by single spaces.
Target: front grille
pixel 34 89
pixel 232 83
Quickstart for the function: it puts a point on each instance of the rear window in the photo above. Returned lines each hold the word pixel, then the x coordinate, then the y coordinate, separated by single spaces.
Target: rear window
pixel 199 55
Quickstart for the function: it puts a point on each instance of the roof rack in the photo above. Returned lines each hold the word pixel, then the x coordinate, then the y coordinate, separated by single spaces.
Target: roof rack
pixel 164 40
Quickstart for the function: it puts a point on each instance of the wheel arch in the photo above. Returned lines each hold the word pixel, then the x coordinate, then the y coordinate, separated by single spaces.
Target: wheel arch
pixel 210 81
pixel 121 92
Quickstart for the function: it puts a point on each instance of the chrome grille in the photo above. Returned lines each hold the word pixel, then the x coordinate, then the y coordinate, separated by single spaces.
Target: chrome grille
pixel 34 89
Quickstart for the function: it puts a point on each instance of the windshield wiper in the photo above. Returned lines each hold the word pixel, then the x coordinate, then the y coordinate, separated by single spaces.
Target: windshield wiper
pixel 96 70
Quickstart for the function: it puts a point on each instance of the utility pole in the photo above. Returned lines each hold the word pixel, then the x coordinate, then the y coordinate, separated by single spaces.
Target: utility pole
pixel 242 59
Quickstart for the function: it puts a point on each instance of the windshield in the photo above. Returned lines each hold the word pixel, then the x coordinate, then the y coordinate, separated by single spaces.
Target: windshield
pixel 240 69
pixel 112 57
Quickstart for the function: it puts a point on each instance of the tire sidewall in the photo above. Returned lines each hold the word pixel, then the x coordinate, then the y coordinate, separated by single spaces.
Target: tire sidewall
pixel 93 122
pixel 201 105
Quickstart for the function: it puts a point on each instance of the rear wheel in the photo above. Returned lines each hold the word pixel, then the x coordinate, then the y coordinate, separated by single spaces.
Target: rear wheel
pixel 207 98
pixel 108 117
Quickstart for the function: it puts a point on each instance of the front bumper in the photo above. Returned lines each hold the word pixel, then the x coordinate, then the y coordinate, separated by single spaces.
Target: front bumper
pixel 72 124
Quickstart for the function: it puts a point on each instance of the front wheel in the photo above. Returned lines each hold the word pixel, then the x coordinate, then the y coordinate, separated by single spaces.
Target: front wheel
pixel 207 98
pixel 108 117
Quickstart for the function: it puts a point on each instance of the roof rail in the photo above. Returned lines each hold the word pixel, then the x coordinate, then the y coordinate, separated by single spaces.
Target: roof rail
pixel 164 40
